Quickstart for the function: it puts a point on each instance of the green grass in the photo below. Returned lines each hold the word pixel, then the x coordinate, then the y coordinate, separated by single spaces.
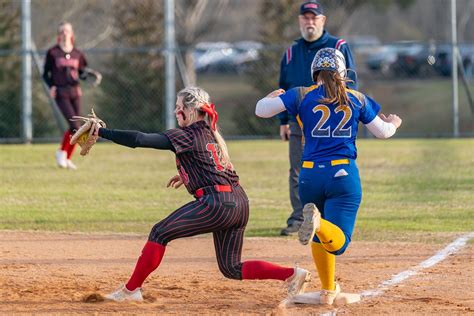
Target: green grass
pixel 421 103
pixel 410 187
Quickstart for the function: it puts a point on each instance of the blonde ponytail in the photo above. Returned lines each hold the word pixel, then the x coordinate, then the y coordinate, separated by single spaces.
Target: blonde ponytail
pixel 196 98
pixel 224 158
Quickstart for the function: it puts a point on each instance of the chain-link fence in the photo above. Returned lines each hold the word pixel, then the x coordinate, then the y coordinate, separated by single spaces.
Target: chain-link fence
pixel 233 49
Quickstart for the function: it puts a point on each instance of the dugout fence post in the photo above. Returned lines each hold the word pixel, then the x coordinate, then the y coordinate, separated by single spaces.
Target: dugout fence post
pixel 170 60
pixel 462 73
pixel 26 71
pixel 454 71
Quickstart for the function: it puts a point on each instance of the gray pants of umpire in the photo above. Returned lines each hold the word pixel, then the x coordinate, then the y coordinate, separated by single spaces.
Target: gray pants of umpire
pixel 295 153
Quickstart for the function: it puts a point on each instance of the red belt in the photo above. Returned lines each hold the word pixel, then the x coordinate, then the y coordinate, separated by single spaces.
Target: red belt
pixel 216 188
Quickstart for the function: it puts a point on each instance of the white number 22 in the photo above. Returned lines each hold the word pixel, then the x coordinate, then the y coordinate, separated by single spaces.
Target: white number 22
pixel 339 131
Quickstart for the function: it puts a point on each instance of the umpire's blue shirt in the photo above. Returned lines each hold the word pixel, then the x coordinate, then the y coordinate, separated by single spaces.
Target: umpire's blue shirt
pixel 296 65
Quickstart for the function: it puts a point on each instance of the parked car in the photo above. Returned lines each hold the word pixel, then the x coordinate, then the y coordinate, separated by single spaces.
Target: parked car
pixel 213 56
pixel 433 59
pixel 443 64
pixel 225 57
pixel 417 60
pixel 247 53
pixel 384 58
pixel 362 44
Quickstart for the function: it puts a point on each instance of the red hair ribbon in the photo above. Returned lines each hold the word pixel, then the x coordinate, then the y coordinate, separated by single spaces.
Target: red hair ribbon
pixel 210 109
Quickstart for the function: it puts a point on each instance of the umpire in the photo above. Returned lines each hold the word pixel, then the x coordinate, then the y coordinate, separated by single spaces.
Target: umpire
pixel 295 70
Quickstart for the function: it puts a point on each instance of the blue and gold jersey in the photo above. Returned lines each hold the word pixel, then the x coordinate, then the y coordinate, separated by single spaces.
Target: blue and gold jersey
pixel 330 130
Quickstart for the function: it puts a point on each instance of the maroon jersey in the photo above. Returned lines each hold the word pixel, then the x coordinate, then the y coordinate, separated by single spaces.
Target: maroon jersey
pixel 197 157
pixel 62 69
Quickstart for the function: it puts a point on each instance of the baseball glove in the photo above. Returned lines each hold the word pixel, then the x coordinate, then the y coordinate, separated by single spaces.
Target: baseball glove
pixel 86 136
pixel 91 76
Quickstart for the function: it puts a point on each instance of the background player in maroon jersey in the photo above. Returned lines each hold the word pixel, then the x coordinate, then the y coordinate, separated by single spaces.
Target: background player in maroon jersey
pixel 63 67
pixel 221 205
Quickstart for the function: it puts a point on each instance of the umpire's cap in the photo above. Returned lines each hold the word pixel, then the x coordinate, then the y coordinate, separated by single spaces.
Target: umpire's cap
pixel 311 6
pixel 329 59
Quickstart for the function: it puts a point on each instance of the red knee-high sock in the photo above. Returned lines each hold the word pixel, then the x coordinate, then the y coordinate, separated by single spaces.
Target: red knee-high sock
pixel 263 270
pixel 150 259
pixel 65 142
pixel 70 150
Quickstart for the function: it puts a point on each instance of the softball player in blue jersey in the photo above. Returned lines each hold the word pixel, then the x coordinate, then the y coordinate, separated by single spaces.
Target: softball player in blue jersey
pixel 329 183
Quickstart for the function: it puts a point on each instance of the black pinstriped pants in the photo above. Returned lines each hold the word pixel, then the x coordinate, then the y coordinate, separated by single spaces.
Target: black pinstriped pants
pixel 69 102
pixel 225 214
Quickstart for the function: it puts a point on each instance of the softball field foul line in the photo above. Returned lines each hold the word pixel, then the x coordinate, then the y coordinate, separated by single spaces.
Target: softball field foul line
pixel 452 248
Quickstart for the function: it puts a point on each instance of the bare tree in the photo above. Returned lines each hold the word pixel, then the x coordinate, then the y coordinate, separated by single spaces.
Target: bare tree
pixel 194 18
pixel 465 18
pixel 133 93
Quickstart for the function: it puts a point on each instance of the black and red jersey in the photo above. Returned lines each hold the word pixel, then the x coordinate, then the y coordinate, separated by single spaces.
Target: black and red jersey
pixel 196 149
pixel 197 157
pixel 62 69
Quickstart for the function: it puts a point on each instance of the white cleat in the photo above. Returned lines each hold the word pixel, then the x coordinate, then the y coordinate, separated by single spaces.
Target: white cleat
pixel 335 297
pixel 70 165
pixel 122 294
pixel 310 225
pixel 327 297
pixel 61 158
pixel 298 281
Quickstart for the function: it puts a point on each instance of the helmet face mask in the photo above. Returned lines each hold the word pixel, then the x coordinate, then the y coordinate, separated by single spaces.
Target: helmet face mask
pixel 329 59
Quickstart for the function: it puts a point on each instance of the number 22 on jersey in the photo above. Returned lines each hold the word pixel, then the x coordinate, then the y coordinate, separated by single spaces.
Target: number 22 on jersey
pixel 340 130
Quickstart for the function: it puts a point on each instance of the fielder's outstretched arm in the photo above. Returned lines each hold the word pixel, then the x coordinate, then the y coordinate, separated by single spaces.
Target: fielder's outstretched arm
pixel 136 139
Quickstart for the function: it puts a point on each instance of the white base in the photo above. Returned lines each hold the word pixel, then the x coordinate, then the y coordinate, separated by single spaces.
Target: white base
pixel 313 298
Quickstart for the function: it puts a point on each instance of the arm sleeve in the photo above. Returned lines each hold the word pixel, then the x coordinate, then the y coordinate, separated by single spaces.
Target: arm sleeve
pixel 350 66
pixel 380 128
pixel 268 107
pixel 82 66
pixel 283 116
pixel 136 139
pixel 48 66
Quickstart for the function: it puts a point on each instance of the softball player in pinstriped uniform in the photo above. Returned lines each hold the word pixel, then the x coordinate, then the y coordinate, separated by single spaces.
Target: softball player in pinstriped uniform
pixel 221 205
pixel 329 184
pixel 64 66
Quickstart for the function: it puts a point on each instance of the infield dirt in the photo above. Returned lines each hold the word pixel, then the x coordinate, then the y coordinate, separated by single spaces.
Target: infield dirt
pixel 55 273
